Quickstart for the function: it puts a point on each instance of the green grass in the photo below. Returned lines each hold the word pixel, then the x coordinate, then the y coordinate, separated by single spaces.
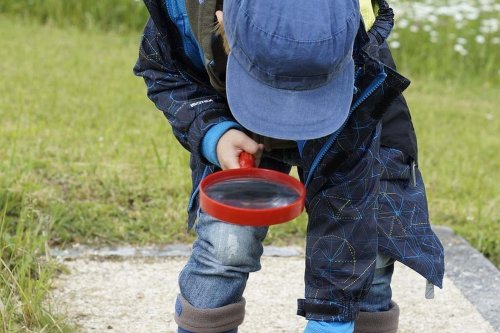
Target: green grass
pixel 429 31
pixel 117 15
pixel 83 149
pixel 478 63
pixel 79 135
pixel 25 274
pixel 457 128
pixel 86 158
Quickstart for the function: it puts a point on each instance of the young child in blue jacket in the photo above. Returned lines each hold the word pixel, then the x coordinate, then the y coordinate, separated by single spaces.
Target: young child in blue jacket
pixel 297 85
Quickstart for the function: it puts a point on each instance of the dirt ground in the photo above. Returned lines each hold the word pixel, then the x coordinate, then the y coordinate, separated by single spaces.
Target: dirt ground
pixel 136 295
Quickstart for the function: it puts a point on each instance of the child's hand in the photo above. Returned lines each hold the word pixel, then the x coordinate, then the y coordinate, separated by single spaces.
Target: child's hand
pixel 230 146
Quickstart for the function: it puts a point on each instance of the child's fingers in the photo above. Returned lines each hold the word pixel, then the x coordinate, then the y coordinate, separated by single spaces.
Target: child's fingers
pixel 219 16
pixel 230 146
pixel 247 144
pixel 228 149
pixel 254 148
pixel 231 163
pixel 258 155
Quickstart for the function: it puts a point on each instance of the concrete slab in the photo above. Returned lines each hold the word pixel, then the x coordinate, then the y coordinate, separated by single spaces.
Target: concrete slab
pixel 476 277
pixel 136 294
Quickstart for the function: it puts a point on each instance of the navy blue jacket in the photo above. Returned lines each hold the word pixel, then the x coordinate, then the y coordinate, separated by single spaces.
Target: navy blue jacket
pixel 350 219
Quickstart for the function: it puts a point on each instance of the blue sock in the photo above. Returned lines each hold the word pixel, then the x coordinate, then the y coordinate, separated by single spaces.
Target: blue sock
pixel 314 326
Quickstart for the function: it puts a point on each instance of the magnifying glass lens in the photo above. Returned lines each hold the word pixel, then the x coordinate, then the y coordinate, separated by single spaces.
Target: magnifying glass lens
pixel 252 193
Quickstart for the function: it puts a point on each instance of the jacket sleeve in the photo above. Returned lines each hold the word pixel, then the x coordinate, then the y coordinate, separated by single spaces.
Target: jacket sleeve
pixel 191 108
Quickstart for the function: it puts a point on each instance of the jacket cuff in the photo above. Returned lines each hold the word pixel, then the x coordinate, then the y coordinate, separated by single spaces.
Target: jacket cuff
pixel 211 138
pixel 322 310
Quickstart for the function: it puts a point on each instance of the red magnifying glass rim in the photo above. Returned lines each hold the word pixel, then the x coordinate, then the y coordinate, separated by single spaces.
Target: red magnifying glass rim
pixel 251 216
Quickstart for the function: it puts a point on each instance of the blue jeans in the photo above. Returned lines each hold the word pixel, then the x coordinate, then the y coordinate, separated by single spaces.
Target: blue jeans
pixel 380 294
pixel 224 254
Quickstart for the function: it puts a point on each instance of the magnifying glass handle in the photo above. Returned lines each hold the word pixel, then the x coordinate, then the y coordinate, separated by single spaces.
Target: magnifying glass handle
pixel 247 160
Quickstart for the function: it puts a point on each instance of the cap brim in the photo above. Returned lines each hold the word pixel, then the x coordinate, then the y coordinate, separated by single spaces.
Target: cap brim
pixel 289 114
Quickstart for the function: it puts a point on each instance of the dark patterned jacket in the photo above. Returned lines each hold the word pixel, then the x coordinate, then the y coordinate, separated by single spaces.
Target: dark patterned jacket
pixel 359 197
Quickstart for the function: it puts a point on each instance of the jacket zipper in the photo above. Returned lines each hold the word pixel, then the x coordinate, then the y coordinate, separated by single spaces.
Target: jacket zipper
pixel 175 9
pixel 377 82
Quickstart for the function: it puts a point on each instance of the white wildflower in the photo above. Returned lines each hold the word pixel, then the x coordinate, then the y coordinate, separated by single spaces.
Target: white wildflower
pixel 403 23
pixel 480 39
pixel 485 2
pixel 421 11
pixel 472 15
pixel 487 8
pixel 458 17
pixel 460 49
pixel 433 18
pixel 414 28
pixel 394 44
pixel 444 10
pixel 490 25
pixel 461 41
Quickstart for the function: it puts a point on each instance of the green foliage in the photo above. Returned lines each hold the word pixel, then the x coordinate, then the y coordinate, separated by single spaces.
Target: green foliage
pixel 24 272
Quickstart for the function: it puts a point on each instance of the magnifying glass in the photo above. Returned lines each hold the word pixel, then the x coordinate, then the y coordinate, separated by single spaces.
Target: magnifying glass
pixel 251 196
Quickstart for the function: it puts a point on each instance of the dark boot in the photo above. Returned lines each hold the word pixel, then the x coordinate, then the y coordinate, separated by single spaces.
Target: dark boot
pixel 378 322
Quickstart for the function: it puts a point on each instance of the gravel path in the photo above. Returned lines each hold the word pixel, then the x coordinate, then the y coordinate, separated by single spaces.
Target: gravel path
pixel 136 295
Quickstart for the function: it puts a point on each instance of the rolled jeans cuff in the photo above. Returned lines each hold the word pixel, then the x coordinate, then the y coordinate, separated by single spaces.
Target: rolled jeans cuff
pixel 322 310
pixel 215 320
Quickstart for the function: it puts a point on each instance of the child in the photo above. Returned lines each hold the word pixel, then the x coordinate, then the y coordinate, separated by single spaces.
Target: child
pixel 304 85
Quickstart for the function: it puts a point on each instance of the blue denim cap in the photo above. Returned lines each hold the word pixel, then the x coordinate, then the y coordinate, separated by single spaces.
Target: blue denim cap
pixel 290 72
